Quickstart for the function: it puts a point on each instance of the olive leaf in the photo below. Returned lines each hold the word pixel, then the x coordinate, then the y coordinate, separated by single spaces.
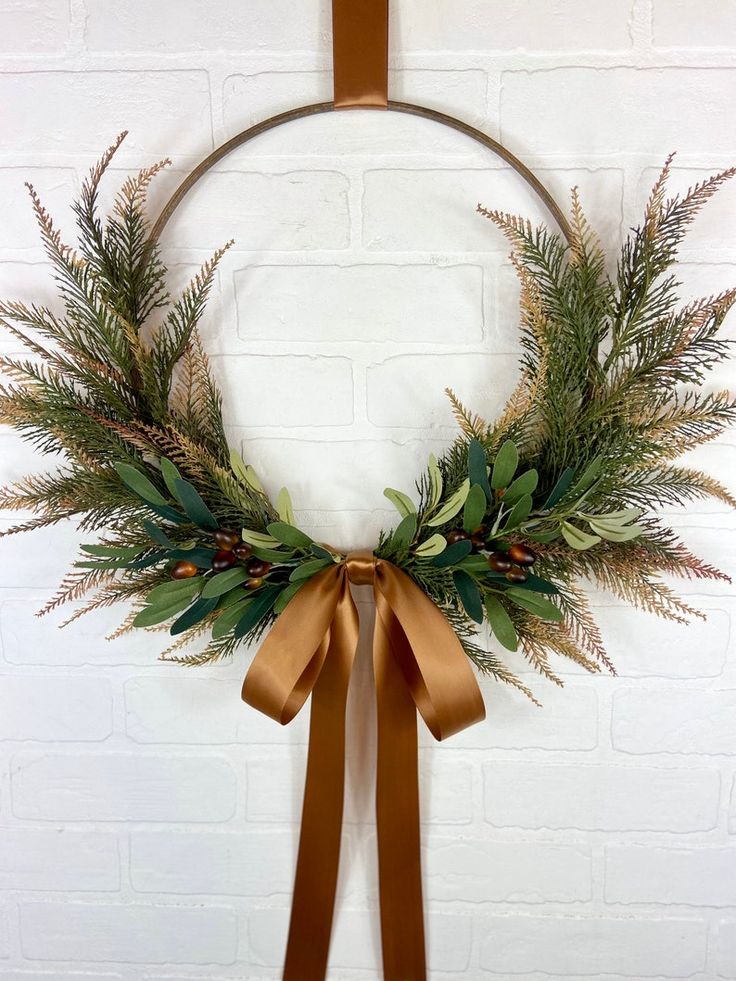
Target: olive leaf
pixel 174 588
pixel 435 483
pixel 140 484
pixel 245 471
pixel 286 595
pixel 475 508
pixel 170 474
pixel 589 475
pixel 113 551
pixel 284 507
pixel 306 570
pixel 401 501
pixel 478 468
pixel 195 508
pixel 501 623
pixel 519 513
pixel 560 488
pixel 525 483
pixel 155 613
pixel 403 534
pixel 223 582
pixel 453 554
pixel 452 506
pixel 194 615
pixel 258 538
pixel 576 538
pixel 227 620
pixel 535 604
pixel 262 604
pixel 614 527
pixel 504 467
pixel 469 594
pixel 431 546
pixel 287 534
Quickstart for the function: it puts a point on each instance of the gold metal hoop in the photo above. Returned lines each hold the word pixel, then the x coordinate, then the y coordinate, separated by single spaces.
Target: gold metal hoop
pixel 322 107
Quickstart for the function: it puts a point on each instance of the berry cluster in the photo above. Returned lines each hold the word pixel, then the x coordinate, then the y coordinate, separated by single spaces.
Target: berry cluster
pixel 515 562
pixel 231 551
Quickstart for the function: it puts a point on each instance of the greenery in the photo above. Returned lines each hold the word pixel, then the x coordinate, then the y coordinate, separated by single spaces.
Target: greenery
pixel 563 487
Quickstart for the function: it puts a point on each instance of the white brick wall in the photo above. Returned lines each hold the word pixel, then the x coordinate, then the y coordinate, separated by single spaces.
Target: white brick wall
pixel 148 819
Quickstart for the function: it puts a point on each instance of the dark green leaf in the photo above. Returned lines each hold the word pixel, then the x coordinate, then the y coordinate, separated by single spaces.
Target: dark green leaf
pixel 505 465
pixel 477 564
pixel 156 534
pixel 478 467
pixel 286 596
pixel 168 513
pixel 229 618
pixel 525 483
pixel 174 589
pixel 560 489
pixel 288 535
pixel 201 557
pixel 113 551
pixel 519 513
pixel 320 552
pixel 272 554
pixel 537 585
pixel 307 569
pixel 589 475
pixel 453 554
pixel 151 616
pixel 469 595
pixel 256 611
pixel 405 531
pixel 501 623
pixel 544 537
pixel 535 604
pixel 194 615
pixel 223 582
pixel 475 508
pixel 139 484
pixel 196 509
pixel 170 475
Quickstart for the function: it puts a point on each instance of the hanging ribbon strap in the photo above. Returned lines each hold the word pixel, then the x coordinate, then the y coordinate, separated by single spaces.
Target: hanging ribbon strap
pixel 360 53
pixel 418 664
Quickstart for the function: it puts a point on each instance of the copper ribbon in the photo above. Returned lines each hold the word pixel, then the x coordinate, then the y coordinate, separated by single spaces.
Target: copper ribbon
pixel 418 663
pixel 360 53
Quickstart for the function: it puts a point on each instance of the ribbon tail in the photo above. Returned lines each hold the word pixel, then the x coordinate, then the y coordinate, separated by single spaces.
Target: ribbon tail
pixel 397 807
pixel 319 843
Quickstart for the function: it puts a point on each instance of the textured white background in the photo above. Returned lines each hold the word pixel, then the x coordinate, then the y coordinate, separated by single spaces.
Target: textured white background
pixel 148 819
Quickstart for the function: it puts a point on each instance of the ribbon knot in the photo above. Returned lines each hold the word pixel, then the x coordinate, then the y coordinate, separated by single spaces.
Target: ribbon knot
pixel 419 664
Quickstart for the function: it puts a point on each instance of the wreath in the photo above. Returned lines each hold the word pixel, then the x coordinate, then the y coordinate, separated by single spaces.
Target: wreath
pixel 564 486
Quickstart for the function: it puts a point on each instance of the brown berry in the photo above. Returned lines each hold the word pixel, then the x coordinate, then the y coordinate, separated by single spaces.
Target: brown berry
pixel 478 540
pixel 516 575
pixel 257 567
pixel 255 582
pixel 242 551
pixel 499 562
pixel 522 555
pixel 183 570
pixel 226 540
pixel 456 536
pixel 223 560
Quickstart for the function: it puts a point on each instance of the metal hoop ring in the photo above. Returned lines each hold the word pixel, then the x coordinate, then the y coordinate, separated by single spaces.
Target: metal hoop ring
pixel 321 107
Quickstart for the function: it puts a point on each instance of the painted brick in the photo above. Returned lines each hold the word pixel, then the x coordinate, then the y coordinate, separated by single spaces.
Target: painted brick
pixel 700 876
pixel 325 473
pixel 38 560
pixel 165 709
pixel 129 934
pixel 611 798
pixel 19 230
pixel 675 24
pixel 267 27
pixel 616 110
pixel 413 210
pixel 732 811
pixel 250 98
pixel 567 721
pixel 573 947
pixel 58 708
pixel 354 945
pixel 57 976
pixel 256 863
pixel 122 787
pixel 265 212
pixel 274 790
pixel 641 645
pixel 476 871
pixel 322 395
pixel 27 639
pixel 58 110
pixel 407 391
pixel 36 858
pixel 668 721
pixel 726 949
pixel 4 934
pixel 403 304
pixel 521 24
pixel 34 26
